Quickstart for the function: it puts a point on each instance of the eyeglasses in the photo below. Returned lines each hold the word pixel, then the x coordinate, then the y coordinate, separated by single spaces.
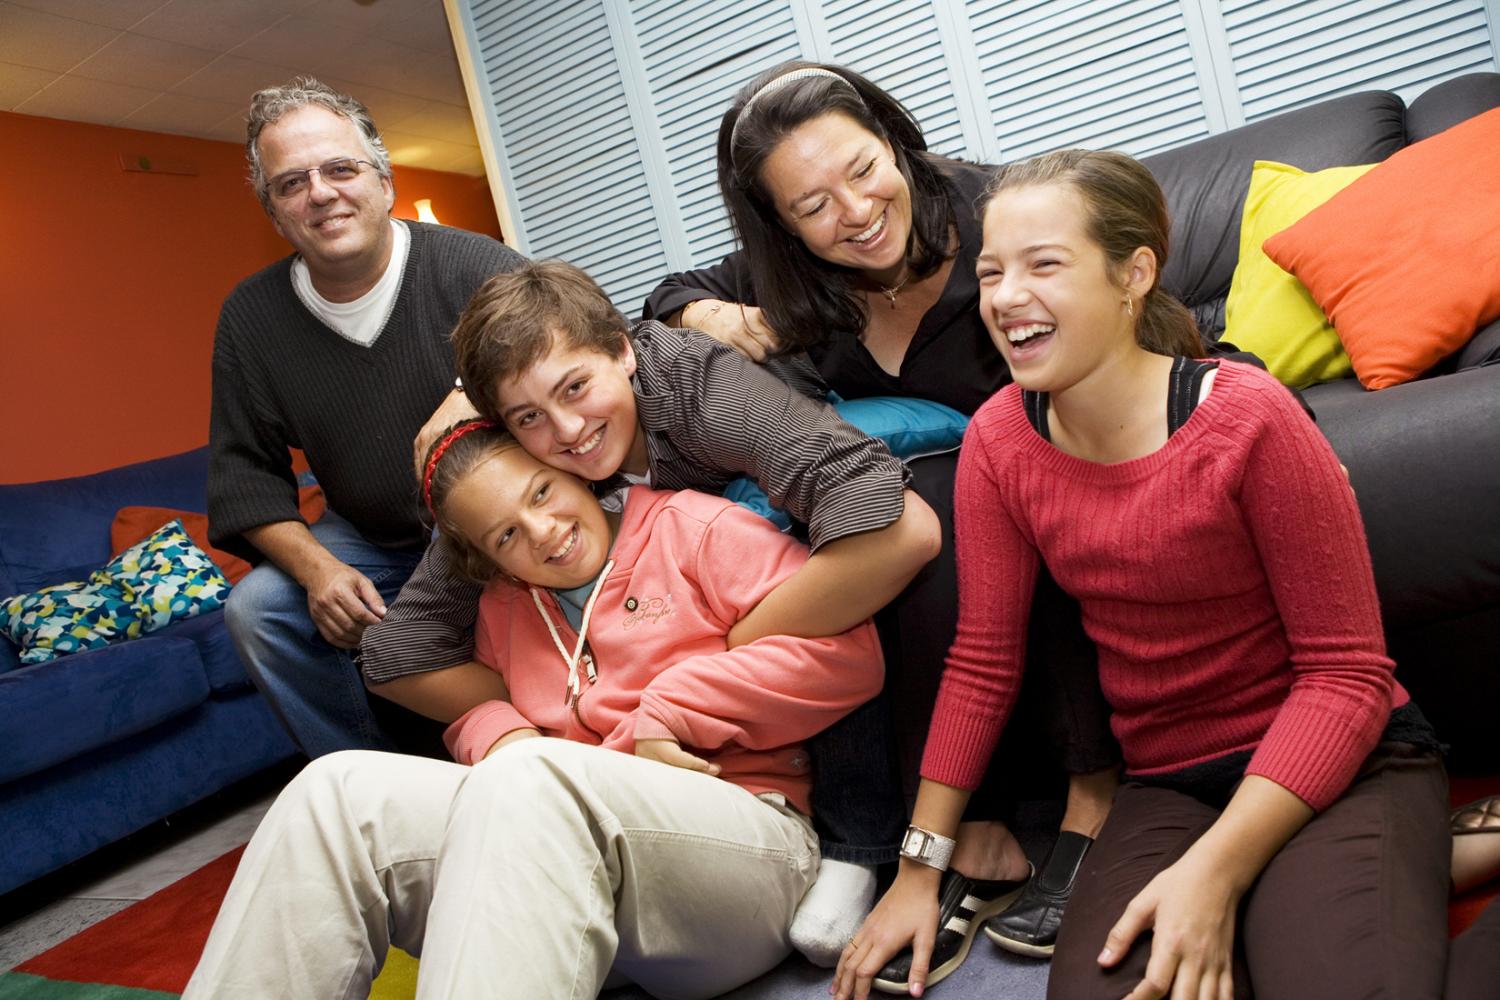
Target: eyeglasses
pixel 339 172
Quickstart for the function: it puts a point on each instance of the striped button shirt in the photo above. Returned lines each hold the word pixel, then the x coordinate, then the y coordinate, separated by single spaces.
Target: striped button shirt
pixel 710 415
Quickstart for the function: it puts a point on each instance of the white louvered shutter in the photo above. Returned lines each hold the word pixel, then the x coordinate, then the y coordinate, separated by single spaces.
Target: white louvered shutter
pixel 568 152
pixel 896 44
pixel 1095 73
pixel 1288 53
pixel 695 56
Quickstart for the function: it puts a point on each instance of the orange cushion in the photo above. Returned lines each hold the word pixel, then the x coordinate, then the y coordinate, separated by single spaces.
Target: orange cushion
pixel 131 524
pixel 1405 261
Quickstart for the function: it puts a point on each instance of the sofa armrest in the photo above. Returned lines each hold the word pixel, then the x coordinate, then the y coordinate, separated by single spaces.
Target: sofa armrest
pixel 1446 104
pixel 1421 460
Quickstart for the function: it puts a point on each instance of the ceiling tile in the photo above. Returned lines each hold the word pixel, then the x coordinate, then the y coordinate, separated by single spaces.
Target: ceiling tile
pixel 368 15
pixel 218 26
pixel 435 120
pixel 306 45
pixel 180 114
pixel 83 100
pixel 232 79
pixel 389 108
pixel 144 62
pixel 427 29
pixel 119 14
pixel 434 77
pixel 417 151
pixel 19 82
pixel 45 41
pixel 471 163
pixel 373 61
pixel 230 129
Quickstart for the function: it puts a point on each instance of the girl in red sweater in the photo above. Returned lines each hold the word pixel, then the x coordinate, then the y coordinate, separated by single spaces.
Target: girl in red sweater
pixel 1282 822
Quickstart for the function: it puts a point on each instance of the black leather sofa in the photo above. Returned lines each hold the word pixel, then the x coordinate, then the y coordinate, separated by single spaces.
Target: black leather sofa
pixel 1424 457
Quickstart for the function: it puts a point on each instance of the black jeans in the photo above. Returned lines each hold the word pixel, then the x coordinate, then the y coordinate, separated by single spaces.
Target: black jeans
pixel 865 765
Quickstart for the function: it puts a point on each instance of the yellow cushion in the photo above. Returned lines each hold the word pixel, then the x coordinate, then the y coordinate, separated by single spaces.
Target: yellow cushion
pixel 1268 311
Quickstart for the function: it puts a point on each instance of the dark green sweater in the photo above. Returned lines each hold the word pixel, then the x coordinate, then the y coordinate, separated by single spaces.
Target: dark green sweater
pixel 282 379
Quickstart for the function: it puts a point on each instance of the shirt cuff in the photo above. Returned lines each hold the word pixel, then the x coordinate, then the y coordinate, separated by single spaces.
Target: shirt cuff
pixel 470 737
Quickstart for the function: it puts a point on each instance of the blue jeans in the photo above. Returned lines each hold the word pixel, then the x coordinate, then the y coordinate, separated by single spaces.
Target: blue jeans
pixel 314 688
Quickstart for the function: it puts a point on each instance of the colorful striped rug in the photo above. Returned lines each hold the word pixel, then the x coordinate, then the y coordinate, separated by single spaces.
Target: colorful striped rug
pixel 147 951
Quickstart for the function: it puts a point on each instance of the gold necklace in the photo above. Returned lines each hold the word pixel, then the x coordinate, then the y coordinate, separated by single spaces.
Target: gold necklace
pixel 891 291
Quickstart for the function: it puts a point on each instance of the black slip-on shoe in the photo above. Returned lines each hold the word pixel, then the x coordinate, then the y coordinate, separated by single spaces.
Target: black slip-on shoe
pixel 1029 925
pixel 963 904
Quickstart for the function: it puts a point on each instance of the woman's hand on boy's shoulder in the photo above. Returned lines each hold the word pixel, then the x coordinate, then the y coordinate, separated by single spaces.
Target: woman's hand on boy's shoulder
pixel 734 325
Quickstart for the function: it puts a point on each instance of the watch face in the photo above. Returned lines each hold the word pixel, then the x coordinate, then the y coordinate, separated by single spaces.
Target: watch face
pixel 914 844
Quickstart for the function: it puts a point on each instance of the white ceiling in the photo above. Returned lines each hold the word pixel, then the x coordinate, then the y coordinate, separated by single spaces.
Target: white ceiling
pixel 190 66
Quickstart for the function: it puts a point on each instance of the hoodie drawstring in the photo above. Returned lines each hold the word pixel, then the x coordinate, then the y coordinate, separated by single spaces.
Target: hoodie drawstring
pixel 575 686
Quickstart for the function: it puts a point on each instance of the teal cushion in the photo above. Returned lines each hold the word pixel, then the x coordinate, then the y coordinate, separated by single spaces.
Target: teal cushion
pixel 70 618
pixel 910 427
pixel 171 577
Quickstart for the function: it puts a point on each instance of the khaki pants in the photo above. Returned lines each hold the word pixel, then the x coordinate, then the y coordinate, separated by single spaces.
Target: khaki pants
pixel 532 874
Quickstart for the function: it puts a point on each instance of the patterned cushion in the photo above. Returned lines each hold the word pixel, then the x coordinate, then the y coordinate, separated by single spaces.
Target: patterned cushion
pixel 171 577
pixel 70 618
pixel 161 579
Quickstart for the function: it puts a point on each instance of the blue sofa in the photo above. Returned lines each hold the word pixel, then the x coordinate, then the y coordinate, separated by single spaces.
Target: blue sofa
pixel 97 745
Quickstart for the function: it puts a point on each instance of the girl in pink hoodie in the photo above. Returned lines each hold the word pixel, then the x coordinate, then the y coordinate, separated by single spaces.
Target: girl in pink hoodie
pixel 644 816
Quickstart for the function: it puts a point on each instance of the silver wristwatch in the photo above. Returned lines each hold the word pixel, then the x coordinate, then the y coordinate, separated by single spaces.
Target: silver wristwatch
pixel 928 848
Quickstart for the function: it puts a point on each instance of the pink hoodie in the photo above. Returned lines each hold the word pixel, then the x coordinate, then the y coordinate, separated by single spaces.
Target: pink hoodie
pixel 684 569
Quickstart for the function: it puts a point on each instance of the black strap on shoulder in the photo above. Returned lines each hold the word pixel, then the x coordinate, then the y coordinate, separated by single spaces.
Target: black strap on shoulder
pixel 1035 405
pixel 1183 389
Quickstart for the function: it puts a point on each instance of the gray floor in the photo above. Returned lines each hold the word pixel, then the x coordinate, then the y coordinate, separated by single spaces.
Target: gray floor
pixel 47 912
pixel 39 916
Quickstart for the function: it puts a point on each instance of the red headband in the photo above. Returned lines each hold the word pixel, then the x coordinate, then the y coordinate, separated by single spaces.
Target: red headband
pixel 437 453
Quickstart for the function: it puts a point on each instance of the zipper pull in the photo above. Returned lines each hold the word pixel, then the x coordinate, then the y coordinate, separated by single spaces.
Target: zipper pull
pixel 588 665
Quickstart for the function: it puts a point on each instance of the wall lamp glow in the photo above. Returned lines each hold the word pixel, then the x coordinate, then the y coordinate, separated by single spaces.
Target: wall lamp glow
pixel 424 211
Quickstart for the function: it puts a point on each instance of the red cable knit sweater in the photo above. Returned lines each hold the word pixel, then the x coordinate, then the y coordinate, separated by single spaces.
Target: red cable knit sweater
pixel 1225 579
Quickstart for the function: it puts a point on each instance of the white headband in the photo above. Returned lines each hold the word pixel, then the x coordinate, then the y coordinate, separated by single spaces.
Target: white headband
pixel 776 84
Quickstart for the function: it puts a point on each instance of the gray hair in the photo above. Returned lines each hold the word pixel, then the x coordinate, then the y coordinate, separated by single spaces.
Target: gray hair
pixel 270 105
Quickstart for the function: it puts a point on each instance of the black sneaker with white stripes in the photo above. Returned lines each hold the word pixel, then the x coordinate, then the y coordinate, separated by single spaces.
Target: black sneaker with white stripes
pixel 963 904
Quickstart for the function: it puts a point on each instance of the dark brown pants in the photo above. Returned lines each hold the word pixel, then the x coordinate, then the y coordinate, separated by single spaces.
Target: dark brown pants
pixel 1474 961
pixel 1355 905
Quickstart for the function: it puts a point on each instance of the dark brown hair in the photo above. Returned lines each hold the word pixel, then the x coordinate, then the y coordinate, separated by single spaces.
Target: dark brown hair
pixel 1126 210
pixel 807 299
pixel 460 457
pixel 513 319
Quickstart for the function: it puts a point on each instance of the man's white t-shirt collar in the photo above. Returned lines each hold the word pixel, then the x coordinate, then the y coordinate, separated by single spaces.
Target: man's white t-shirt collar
pixel 361 320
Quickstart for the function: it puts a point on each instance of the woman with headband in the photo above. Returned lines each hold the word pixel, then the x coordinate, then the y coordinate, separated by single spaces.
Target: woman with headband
pixel 858 248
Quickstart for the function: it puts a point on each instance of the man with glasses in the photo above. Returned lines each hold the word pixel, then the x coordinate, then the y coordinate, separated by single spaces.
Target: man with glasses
pixel 340 350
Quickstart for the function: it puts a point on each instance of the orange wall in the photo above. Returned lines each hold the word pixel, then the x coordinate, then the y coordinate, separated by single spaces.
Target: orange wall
pixel 111 281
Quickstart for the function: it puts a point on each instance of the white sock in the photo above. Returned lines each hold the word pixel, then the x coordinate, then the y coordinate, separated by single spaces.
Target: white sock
pixel 833 910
